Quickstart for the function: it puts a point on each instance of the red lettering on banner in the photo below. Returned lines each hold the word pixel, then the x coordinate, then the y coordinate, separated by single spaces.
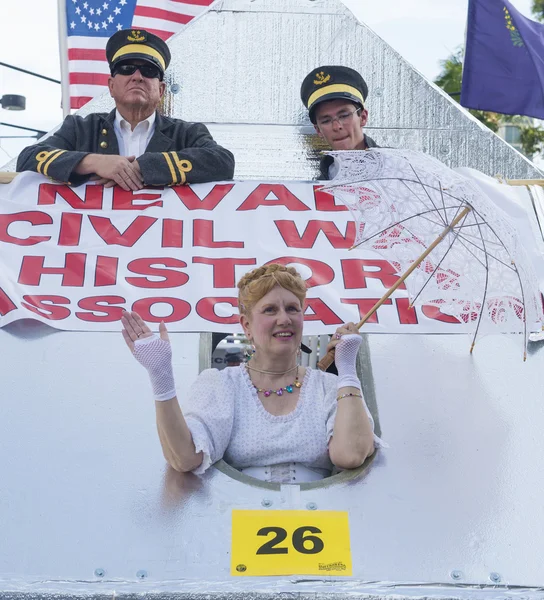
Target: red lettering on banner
pixel 433 312
pixel 33 217
pixel 6 305
pixel 112 236
pixel 192 202
pixel 224 275
pixel 322 273
pixel 355 273
pixel 106 271
pixel 94 196
pixel 70 229
pixel 203 236
pixel 46 306
pixel 73 272
pixel 321 312
pixel 364 305
pixel 146 266
pixel 293 239
pixel 172 233
pixel 281 196
pixel 124 200
pixel 326 202
pixel 205 309
pixel 180 309
pixel 407 315
pixel 101 304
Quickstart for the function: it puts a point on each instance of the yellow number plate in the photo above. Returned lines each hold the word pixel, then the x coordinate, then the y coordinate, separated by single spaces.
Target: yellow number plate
pixel 290 542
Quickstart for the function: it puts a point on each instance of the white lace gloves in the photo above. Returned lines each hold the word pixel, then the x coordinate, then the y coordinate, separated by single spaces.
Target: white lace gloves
pixel 346 344
pixel 345 357
pixel 154 353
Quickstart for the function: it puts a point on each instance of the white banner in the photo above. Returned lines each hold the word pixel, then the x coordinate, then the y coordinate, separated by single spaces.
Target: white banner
pixel 75 258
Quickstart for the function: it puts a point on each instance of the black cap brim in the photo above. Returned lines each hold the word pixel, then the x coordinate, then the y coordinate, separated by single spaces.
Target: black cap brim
pixel 333 96
pixel 129 57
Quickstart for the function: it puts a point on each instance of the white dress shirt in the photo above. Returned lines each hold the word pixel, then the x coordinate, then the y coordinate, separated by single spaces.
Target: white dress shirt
pixel 133 142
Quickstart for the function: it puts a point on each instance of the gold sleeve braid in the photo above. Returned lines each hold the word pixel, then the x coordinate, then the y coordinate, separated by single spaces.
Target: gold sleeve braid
pixel 177 166
pixel 44 160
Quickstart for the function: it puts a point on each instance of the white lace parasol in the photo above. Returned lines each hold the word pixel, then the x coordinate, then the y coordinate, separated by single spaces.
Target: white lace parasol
pixel 480 273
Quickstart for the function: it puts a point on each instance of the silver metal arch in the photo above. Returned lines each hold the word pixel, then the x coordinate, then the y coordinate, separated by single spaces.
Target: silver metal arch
pixel 453 509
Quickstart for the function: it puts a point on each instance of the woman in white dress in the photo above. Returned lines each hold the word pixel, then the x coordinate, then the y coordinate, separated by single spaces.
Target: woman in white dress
pixel 269 417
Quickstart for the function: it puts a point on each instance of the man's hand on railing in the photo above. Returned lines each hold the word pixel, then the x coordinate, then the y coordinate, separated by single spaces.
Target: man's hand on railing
pixel 113 170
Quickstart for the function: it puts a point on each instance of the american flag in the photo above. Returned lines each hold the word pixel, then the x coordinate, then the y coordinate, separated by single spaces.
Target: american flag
pixel 91 22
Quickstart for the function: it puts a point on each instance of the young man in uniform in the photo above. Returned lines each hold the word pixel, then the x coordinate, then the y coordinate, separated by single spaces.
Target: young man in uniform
pixel 335 98
pixel 134 145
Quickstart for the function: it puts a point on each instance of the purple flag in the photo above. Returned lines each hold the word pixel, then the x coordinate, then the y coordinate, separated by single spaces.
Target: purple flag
pixel 504 60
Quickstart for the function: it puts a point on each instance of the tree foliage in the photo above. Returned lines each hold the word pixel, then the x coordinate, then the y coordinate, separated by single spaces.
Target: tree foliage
pixel 538 9
pixel 532 140
pixel 450 78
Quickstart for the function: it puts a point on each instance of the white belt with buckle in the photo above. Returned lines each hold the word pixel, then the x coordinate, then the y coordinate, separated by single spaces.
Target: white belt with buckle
pixel 287 473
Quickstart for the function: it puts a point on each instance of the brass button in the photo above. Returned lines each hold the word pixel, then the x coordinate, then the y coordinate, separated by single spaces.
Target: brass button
pixel 104 132
pixel 103 144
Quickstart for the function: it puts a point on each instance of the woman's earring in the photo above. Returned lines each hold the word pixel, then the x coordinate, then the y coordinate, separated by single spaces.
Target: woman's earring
pixel 249 352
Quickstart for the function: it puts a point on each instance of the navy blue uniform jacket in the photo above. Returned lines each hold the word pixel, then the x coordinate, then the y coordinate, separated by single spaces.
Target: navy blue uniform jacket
pixel 178 152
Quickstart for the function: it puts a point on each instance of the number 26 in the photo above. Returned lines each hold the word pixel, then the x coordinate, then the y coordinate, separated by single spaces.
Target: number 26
pixel 298 539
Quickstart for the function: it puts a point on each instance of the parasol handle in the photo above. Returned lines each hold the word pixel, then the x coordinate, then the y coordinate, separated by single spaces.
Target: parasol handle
pixel 328 359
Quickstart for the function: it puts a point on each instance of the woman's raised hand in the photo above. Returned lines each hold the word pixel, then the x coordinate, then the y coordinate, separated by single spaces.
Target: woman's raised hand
pixel 345 344
pixel 345 329
pixel 153 352
pixel 135 328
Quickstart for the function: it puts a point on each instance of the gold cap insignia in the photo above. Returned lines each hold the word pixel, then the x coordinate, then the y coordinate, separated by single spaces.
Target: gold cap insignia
pixel 135 36
pixel 321 78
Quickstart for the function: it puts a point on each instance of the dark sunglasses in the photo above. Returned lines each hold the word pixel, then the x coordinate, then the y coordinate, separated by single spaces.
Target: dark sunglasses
pixel 147 71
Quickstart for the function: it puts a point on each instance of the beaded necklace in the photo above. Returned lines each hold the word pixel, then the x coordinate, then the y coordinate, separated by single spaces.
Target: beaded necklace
pixel 279 392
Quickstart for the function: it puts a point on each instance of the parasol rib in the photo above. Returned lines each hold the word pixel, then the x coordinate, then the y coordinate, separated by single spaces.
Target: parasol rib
pixel 485 294
pixel 437 266
pixel 328 359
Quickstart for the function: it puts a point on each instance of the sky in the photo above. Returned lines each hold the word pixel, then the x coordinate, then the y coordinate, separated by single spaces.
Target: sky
pixel 424 32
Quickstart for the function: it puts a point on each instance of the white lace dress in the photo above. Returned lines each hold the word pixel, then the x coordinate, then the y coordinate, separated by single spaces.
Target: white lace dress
pixel 227 420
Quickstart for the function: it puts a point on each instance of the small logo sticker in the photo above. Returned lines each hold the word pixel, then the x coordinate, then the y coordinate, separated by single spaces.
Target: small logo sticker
pixel 335 566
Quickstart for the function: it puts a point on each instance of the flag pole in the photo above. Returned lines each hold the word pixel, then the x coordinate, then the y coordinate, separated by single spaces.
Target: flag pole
pixel 63 53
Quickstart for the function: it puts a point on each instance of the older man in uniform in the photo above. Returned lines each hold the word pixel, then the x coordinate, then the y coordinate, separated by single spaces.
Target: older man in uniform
pixel 335 98
pixel 134 145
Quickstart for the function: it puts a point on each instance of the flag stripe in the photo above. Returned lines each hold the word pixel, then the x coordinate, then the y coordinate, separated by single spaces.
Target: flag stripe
pixel 86 54
pixel 82 89
pixel 195 2
pixel 79 101
pixel 90 23
pixel 89 78
pixel 164 35
pixel 89 66
pixel 182 9
pixel 158 24
pixel 81 41
pixel 158 13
